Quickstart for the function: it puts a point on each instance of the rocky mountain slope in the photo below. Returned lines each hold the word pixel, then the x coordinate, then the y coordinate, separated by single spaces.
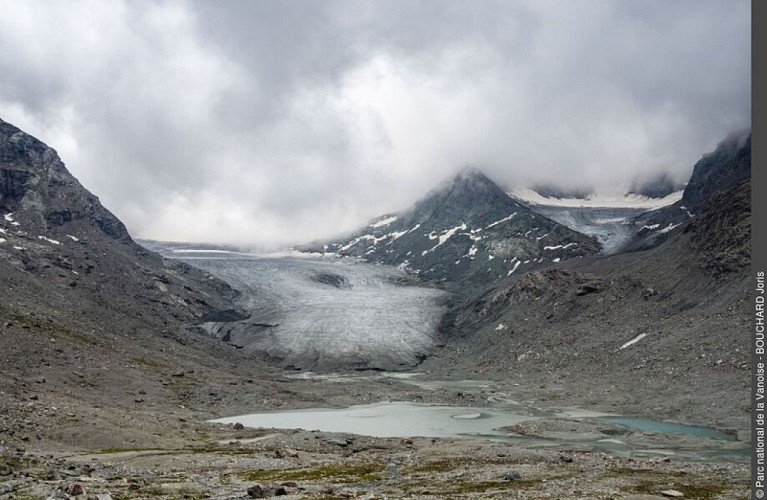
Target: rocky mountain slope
pixel 55 232
pixel 657 331
pixel 88 318
pixel 716 172
pixel 467 231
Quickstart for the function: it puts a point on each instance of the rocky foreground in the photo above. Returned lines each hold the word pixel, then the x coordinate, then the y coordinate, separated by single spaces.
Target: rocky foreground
pixel 164 449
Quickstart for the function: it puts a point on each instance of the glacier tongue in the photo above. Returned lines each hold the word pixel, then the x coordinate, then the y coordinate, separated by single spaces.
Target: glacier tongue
pixel 327 314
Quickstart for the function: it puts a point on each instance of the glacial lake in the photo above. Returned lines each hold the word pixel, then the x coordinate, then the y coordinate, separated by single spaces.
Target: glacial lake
pixel 617 435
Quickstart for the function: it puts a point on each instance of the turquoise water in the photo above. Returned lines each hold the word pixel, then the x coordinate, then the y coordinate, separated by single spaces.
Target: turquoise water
pixel 647 425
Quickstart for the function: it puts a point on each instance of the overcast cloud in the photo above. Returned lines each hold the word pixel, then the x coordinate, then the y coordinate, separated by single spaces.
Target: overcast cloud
pixel 272 122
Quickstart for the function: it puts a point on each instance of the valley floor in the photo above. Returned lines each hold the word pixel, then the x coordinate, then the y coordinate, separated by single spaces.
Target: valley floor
pixel 151 440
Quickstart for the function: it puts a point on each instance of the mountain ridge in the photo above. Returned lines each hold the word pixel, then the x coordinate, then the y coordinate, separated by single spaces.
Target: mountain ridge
pixel 716 172
pixel 463 231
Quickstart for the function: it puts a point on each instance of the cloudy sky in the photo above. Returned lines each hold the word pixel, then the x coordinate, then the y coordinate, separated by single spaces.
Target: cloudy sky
pixel 277 121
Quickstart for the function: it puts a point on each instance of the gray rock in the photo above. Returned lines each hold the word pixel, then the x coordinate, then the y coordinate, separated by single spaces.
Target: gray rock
pixel 394 471
pixel 76 489
pixel 338 442
pixel 266 491
pixel 512 476
pixel 258 491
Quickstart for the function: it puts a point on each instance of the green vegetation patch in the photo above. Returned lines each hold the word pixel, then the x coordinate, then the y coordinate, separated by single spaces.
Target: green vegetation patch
pixel 655 474
pixel 109 451
pixel 702 491
pixel 165 491
pixel 51 327
pixel 335 473
pixel 484 486
pixel 652 482
pixel 445 465
pixel 450 487
pixel 222 450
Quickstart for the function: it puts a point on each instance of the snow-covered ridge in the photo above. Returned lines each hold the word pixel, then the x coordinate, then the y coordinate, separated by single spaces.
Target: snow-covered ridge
pixel 531 197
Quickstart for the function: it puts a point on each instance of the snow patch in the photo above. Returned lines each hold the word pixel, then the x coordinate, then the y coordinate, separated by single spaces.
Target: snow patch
pixel 369 237
pixel 651 227
pixel 442 237
pixel 527 233
pixel 634 340
pixel 9 218
pixel 669 227
pixel 689 214
pixel 563 247
pixel 49 240
pixel 500 327
pixel 384 222
pixel 395 235
pixel 2 240
pixel 73 238
pixel 501 221
pixel 516 265
pixel 556 260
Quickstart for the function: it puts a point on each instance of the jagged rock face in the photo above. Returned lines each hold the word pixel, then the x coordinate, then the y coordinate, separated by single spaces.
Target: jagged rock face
pixel 717 172
pixel 36 187
pixel 468 231
pixel 56 234
pixel 721 235
pixel 726 167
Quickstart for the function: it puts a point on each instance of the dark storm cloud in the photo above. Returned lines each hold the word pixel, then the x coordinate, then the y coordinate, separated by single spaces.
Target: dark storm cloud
pixel 278 121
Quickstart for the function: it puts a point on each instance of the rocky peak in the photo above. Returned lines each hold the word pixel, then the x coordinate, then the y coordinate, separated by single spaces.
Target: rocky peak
pixel 56 235
pixel 469 195
pixel 467 230
pixel 727 166
pixel 38 192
